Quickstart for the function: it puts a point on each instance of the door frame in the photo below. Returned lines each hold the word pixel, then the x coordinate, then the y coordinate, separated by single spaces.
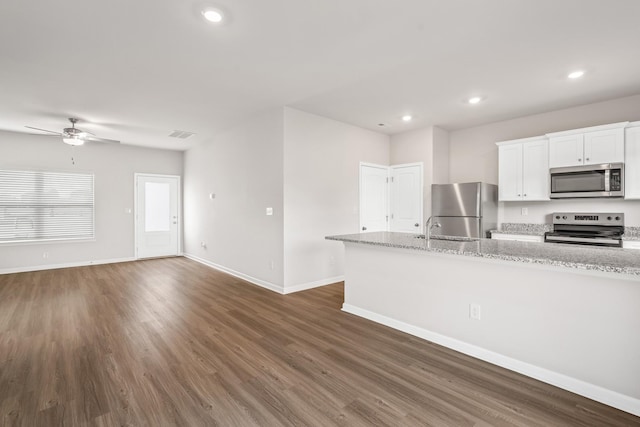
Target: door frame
pixel 136 175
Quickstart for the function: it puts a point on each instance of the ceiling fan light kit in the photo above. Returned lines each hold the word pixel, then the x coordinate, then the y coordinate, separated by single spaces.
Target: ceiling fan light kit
pixel 73 140
pixel 75 136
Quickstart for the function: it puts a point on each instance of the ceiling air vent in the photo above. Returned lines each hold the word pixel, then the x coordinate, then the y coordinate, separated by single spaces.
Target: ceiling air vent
pixel 181 134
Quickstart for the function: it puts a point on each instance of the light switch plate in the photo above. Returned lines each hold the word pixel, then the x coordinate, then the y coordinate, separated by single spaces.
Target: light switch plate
pixel 269 211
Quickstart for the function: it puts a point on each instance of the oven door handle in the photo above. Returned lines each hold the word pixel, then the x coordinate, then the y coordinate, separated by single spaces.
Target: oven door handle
pixel 561 239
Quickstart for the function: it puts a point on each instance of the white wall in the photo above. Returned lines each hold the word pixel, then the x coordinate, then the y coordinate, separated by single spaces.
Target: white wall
pixel 321 175
pixel 429 145
pixel 474 155
pixel 243 167
pixel 114 167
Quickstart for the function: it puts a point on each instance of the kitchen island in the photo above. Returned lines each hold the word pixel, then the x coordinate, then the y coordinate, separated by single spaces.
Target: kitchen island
pixel 566 315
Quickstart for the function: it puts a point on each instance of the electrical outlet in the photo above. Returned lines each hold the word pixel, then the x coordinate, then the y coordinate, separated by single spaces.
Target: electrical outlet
pixel 45 255
pixel 272 265
pixel 474 311
pixel 269 211
pixel 203 244
pixel 332 260
pixel 525 211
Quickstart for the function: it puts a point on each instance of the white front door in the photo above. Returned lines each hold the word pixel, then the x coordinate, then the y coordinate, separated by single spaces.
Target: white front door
pixel 157 219
pixel 406 198
pixel 374 197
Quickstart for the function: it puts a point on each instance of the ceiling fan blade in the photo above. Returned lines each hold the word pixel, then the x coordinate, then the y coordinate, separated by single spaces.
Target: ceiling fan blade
pixel 96 139
pixel 44 130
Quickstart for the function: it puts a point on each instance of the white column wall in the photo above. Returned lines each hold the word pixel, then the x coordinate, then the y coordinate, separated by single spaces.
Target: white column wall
pixel 321 192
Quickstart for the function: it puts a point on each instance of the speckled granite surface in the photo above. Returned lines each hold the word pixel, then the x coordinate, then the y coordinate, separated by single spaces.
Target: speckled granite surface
pixel 631 233
pixel 524 229
pixel 613 260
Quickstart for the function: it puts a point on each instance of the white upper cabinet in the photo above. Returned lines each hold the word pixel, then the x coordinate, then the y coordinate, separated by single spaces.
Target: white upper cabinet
pixel 566 150
pixel 510 172
pixel 605 146
pixel 535 170
pixel 632 163
pixel 595 145
pixel 523 169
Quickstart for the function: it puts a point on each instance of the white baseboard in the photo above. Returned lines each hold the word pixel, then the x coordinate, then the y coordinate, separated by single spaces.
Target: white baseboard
pixel 64 265
pixel 262 283
pixel 597 393
pixel 311 285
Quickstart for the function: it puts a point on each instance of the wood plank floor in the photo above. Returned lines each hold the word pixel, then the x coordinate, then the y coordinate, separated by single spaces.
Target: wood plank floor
pixel 171 342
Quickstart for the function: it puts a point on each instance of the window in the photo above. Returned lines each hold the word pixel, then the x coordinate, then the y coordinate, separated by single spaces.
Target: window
pixel 39 206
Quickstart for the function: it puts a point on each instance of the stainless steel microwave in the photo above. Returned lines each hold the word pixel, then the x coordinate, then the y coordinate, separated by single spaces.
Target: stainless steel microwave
pixel 604 180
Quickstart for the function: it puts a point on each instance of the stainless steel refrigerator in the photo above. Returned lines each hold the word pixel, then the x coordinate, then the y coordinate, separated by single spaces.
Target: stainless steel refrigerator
pixel 466 210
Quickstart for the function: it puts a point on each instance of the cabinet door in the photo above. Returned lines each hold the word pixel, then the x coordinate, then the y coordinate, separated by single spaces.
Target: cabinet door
pixel 632 164
pixel 605 146
pixel 535 170
pixel 510 172
pixel 566 150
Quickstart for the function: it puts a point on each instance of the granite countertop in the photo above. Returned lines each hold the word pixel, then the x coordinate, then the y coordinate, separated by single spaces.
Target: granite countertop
pixel 612 260
pixel 523 229
pixel 630 233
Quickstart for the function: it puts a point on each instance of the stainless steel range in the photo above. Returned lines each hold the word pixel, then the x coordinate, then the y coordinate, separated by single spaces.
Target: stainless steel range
pixel 599 229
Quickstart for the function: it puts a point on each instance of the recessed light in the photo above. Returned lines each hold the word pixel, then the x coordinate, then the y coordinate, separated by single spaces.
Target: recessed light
pixel 212 15
pixel 407 118
pixel 474 100
pixel 576 74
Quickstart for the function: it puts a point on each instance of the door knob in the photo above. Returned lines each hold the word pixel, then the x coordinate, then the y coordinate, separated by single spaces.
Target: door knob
pixel 364 228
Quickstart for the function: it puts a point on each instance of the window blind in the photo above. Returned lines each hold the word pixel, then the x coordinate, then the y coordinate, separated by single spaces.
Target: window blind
pixel 42 205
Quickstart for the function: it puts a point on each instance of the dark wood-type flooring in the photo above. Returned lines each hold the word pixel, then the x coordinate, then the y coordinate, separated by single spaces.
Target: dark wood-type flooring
pixel 171 342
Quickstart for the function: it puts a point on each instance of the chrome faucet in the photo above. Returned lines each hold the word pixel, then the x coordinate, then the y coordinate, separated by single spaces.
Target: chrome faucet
pixel 429 226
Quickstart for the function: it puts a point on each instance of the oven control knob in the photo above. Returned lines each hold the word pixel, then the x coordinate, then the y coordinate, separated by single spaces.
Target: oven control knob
pixel 609 218
pixel 557 216
pixel 617 218
pixel 564 217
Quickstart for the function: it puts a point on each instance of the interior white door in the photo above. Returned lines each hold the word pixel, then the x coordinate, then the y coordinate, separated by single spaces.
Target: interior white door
pixel 374 198
pixel 157 219
pixel 406 198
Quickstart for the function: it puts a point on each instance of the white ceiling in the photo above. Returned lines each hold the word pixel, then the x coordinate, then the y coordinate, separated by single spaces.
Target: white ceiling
pixel 135 70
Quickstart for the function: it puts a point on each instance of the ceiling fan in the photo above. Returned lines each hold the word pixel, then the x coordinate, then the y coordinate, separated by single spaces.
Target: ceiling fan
pixel 75 136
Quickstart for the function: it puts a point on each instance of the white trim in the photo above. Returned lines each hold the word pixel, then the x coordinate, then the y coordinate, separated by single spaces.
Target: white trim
pixel 262 283
pixel 589 129
pixel 521 140
pixel 64 265
pixel 135 210
pixel 600 394
pixel 311 285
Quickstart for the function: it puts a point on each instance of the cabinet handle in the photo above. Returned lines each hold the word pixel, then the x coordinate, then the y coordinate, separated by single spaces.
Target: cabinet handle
pixel 416 225
pixel 364 228
pixel 518 195
pixel 579 160
pixel 525 195
pixel 587 159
